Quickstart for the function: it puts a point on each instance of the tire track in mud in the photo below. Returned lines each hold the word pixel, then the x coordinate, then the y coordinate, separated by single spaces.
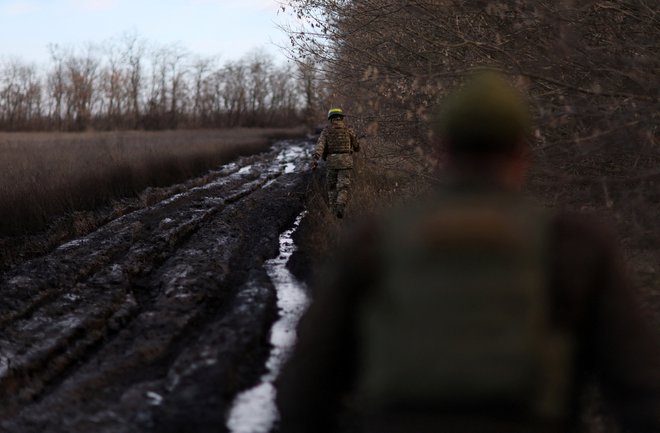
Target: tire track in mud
pixel 130 327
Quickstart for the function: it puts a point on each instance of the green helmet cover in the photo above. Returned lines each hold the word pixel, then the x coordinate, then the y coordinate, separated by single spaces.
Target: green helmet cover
pixel 486 116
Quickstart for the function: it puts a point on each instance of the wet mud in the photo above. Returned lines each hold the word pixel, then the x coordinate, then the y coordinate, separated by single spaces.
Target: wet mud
pixel 254 410
pixel 157 320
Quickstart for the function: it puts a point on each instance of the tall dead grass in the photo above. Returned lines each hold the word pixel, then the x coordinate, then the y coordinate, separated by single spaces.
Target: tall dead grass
pixel 43 175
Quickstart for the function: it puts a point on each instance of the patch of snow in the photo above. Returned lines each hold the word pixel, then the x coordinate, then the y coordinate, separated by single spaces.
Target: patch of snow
pixel 153 398
pixel 71 297
pixel 246 169
pixel 290 167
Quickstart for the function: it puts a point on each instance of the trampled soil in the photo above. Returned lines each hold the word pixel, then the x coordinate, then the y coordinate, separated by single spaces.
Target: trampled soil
pixel 158 319
pixel 155 321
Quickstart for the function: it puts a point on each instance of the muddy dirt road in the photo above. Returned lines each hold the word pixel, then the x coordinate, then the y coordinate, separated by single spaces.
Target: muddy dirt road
pixel 155 321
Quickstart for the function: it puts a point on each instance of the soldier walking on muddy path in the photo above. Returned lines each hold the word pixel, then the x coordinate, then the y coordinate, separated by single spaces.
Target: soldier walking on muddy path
pixel 470 309
pixel 336 146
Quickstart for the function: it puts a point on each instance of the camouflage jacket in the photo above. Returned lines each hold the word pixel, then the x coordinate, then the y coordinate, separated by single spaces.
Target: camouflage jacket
pixel 590 296
pixel 336 145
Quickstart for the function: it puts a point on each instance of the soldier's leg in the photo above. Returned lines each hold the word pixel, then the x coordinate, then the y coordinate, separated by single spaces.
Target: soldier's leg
pixel 331 187
pixel 343 189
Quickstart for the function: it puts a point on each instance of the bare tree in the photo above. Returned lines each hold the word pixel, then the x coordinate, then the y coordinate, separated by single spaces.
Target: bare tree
pixel 56 86
pixel 234 96
pixel 176 57
pixel 113 85
pixel 312 90
pixel 123 83
pixel 134 49
pixel 81 73
pixel 167 95
pixel 258 65
pixel 20 95
pixel 201 68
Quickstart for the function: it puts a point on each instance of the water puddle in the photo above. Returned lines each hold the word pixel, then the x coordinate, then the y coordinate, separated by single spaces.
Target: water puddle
pixel 289 155
pixel 254 410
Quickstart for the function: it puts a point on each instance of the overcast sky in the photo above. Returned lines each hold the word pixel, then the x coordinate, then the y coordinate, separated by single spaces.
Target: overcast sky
pixel 228 28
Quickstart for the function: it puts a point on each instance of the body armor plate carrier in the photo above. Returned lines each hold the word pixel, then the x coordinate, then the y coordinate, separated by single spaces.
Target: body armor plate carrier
pixel 339 139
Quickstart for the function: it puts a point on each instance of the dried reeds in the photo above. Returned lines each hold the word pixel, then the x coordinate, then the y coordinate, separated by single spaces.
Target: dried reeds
pixel 43 175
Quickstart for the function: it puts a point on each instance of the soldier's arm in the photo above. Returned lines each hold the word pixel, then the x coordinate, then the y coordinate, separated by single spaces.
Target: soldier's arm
pixel 615 341
pixel 628 354
pixel 320 145
pixel 355 141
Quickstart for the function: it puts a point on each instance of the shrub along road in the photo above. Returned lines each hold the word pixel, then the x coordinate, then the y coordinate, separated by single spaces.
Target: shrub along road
pixel 157 319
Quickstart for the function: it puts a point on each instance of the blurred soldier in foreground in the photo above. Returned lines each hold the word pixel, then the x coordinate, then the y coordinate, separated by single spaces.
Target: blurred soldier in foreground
pixel 336 146
pixel 472 310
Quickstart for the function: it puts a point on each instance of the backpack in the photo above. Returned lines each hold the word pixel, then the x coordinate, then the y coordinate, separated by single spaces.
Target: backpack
pixel 462 317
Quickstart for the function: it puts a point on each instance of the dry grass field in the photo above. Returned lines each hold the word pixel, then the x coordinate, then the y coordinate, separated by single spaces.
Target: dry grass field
pixel 48 175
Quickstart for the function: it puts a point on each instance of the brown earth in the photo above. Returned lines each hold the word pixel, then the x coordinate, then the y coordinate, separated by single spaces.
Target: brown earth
pixel 157 319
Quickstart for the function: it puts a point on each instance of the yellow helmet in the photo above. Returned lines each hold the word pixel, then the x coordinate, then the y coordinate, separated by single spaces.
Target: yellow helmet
pixel 335 112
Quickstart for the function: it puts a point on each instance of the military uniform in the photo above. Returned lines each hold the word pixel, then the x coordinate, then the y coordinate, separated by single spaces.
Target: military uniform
pixel 589 300
pixel 469 311
pixel 336 145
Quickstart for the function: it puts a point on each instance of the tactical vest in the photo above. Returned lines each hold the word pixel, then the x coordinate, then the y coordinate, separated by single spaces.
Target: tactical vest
pixel 338 139
pixel 462 318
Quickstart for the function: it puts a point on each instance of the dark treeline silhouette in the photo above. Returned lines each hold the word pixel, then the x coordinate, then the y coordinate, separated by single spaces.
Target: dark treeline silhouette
pixel 128 83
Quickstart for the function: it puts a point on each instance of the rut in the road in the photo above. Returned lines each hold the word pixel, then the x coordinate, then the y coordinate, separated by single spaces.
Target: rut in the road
pixel 104 333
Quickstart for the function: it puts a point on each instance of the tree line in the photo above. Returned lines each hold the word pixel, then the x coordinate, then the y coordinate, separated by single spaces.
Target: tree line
pixel 129 83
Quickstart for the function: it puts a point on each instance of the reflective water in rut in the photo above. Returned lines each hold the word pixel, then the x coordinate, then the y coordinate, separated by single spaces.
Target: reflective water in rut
pixel 254 410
